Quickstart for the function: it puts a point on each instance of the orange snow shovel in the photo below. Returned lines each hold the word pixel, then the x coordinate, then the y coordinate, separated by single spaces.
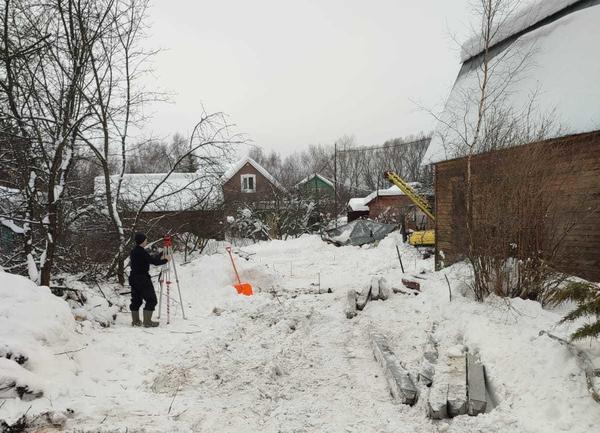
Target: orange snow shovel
pixel 242 288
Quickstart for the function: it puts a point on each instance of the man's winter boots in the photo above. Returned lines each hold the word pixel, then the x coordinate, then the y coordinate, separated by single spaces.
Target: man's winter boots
pixel 135 318
pixel 148 323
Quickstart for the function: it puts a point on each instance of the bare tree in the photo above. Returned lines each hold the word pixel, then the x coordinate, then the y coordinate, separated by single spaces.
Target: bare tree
pixel 212 144
pixel 117 63
pixel 43 97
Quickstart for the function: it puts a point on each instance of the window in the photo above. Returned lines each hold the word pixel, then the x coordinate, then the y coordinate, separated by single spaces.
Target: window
pixel 248 183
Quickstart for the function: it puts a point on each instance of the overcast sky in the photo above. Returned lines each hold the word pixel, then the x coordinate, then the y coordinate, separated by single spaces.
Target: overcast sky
pixel 294 73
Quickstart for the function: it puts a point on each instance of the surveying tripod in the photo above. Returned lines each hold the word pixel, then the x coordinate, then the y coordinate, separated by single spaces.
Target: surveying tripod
pixel 164 279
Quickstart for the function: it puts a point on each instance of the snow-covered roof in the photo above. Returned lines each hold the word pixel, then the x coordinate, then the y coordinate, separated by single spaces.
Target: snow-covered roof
pixel 561 69
pixel 358 204
pixel 312 176
pixel 362 203
pixel 528 14
pixel 238 166
pixel 181 191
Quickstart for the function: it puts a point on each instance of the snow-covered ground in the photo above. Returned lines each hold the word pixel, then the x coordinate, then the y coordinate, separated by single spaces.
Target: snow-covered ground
pixel 287 359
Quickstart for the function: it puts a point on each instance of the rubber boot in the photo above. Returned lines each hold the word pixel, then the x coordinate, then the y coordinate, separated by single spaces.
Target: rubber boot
pixel 148 323
pixel 135 318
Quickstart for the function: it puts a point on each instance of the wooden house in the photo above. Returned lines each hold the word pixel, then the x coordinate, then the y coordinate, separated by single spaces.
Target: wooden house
pixel 389 205
pixel 561 72
pixel 316 185
pixel 248 182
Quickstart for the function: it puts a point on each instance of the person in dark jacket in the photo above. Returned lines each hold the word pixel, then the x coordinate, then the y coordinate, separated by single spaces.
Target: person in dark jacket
pixel 142 289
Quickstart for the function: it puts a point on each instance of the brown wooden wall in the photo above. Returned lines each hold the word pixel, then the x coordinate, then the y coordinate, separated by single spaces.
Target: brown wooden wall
pixel 203 223
pixel 574 164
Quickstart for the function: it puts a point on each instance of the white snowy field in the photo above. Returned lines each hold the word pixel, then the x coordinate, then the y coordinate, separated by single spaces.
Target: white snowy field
pixel 287 359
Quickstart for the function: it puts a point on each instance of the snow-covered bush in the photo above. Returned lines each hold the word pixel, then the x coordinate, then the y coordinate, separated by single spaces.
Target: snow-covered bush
pixel 248 224
pixel 286 219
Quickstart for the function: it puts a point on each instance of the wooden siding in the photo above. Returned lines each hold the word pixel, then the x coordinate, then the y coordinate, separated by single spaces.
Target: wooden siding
pixel 232 189
pixel 574 162
pixel 203 223
pixel 316 186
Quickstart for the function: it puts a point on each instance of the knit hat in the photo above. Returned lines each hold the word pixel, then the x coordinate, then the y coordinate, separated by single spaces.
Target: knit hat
pixel 139 238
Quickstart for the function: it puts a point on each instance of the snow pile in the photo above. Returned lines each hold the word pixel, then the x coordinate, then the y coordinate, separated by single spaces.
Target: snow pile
pixel 33 324
pixel 248 363
pixel 556 64
pixel 87 304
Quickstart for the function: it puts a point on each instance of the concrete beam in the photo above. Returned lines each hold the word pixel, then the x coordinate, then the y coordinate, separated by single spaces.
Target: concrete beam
pixel 401 386
pixel 437 404
pixel 426 372
pixel 375 288
pixel 477 402
pixel 351 305
pixel 430 352
pixel 363 297
pixel 384 289
pixel 457 386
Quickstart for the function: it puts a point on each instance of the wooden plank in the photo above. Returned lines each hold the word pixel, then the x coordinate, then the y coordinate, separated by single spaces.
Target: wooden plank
pixel 351 304
pixel 401 386
pixel 477 401
pixel 411 284
pixel 457 386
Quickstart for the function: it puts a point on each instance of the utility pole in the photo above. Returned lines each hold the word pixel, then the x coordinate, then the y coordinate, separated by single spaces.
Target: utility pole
pixel 335 183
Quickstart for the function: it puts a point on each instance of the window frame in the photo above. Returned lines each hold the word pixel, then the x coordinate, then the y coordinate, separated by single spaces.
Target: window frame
pixel 248 176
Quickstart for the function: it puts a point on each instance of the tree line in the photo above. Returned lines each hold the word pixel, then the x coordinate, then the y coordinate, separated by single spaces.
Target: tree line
pixel 357 169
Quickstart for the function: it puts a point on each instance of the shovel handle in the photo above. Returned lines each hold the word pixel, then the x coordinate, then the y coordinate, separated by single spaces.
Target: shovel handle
pixel 228 249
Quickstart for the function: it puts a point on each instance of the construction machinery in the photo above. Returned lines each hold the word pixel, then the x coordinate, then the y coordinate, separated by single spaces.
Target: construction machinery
pixel 422 237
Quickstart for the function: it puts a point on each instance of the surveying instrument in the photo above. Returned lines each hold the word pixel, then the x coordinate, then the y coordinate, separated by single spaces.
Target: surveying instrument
pixel 164 279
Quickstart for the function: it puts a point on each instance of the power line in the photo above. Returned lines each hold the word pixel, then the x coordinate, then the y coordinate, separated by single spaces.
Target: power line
pixel 366 149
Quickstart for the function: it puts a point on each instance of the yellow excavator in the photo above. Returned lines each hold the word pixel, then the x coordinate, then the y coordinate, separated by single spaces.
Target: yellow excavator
pixel 422 237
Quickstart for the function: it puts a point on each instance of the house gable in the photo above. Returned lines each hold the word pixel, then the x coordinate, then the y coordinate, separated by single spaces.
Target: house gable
pixel 316 185
pixel 248 181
